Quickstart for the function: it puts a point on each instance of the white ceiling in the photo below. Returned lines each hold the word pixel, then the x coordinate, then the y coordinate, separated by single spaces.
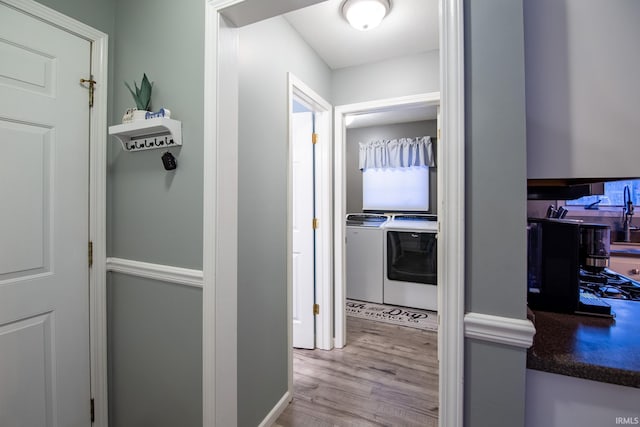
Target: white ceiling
pixel 403 114
pixel 411 27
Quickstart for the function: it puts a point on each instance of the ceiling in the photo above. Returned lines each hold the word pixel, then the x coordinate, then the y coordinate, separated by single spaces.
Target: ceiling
pixel 411 27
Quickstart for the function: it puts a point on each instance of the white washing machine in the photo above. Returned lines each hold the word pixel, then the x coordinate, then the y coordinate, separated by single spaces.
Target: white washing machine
pixel 365 256
pixel 410 261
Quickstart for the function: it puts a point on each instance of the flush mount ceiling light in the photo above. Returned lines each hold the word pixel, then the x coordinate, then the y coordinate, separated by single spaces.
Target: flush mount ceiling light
pixel 365 14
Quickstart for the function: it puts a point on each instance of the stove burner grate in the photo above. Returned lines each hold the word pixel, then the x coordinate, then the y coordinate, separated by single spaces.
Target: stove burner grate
pixel 608 284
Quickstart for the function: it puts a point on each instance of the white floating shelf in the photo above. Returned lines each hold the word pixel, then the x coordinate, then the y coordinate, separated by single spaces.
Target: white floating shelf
pixel 148 134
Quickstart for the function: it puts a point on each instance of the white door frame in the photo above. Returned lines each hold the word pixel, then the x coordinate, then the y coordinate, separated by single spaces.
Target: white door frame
pixel 340 195
pixel 323 197
pixel 97 196
pixel 220 221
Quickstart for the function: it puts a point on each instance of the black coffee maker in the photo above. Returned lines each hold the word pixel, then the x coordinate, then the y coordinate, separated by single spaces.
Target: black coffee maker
pixel 594 246
pixel 557 250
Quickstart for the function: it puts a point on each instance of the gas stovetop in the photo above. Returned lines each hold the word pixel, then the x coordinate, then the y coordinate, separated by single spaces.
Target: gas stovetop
pixel 609 284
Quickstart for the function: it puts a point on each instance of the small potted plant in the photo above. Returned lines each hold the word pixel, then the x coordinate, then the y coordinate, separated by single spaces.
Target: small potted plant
pixel 142 97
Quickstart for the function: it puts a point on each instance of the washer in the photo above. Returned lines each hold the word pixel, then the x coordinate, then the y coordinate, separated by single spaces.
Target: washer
pixel 364 256
pixel 410 261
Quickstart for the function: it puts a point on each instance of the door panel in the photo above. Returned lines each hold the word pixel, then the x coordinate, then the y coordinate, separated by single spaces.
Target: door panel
pixel 44 223
pixel 26 359
pixel 303 245
pixel 26 218
pixel 25 68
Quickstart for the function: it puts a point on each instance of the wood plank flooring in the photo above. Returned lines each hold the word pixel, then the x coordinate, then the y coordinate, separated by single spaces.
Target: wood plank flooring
pixel 387 375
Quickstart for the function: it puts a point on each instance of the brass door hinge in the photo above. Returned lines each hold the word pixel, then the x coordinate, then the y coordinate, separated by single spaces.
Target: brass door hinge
pixel 90 253
pixel 92 85
pixel 439 133
pixel 314 138
pixel 315 223
pixel 316 309
pixel 93 411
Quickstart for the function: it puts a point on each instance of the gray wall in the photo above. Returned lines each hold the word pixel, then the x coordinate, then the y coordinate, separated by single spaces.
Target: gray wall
pixel 405 75
pixel 582 62
pixel 156 216
pixel 155 338
pixel 495 205
pixel 268 50
pixel 392 131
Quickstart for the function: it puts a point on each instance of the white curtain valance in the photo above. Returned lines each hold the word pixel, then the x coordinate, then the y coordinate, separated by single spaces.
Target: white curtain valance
pixel 396 153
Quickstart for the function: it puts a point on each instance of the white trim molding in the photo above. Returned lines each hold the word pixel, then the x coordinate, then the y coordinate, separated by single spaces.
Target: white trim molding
pixel 97 195
pixel 275 412
pixel 451 249
pixel 98 229
pixel 220 219
pixel 502 330
pixel 163 273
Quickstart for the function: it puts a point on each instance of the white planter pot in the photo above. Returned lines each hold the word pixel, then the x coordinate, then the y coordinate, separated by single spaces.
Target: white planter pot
pixel 134 116
pixel 139 115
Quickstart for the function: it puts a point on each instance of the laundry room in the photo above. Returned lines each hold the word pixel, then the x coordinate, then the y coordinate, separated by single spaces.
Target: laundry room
pixel 391 200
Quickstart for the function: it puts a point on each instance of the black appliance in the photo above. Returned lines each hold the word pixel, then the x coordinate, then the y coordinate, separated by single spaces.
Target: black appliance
pixel 412 256
pixel 558 250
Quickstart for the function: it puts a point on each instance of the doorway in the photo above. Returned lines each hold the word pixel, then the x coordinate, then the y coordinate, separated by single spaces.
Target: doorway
pixel 309 217
pixel 341 115
pixel 332 387
pixel 220 67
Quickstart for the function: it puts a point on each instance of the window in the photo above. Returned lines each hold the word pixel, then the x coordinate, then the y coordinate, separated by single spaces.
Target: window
pixel 613 194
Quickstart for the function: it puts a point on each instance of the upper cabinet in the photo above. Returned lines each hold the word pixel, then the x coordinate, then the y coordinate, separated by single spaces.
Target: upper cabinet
pixel 582 88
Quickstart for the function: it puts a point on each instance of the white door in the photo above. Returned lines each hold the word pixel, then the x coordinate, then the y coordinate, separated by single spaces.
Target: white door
pixel 303 233
pixel 44 190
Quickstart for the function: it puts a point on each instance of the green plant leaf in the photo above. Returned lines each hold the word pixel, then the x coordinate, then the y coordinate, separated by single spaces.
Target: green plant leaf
pixel 145 92
pixel 133 94
pixel 142 95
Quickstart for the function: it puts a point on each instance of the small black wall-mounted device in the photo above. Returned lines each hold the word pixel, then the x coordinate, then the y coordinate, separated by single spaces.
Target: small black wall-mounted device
pixel 169 161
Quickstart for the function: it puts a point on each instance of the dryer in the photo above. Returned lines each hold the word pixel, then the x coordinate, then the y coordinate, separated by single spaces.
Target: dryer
pixel 411 261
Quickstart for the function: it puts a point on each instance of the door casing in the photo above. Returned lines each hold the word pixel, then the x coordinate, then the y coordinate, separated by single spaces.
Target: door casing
pixel 97 195
pixel 220 138
pixel 323 199
pixel 339 191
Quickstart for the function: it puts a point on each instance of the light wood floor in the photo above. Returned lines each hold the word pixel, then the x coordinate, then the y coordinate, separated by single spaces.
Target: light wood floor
pixel 387 375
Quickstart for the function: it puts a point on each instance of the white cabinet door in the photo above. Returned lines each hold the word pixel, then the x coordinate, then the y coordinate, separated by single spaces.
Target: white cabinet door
pixel 44 185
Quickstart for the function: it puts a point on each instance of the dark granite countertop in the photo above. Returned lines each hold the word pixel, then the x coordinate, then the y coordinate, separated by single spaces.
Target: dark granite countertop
pixel 629 252
pixel 593 348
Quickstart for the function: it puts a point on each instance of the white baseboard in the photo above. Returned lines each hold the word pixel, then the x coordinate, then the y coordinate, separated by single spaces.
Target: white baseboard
pixel 164 273
pixel 273 415
pixel 498 329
